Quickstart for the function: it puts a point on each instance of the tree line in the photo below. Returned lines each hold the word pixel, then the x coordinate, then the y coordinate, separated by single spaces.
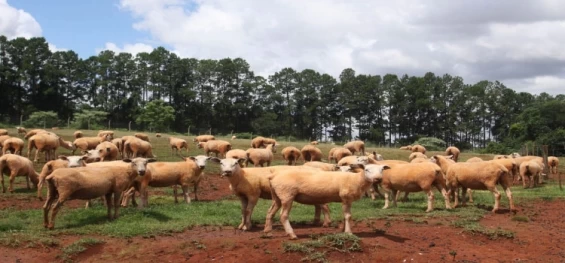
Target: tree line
pixel 226 96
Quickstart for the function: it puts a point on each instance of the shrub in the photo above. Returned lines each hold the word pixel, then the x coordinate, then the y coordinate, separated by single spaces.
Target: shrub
pixel 244 135
pixel 42 119
pixel 497 148
pixel 89 119
pixel 431 143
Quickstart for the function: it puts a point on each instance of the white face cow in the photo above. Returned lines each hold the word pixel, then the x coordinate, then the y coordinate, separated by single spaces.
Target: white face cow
pixel 139 164
pixel 374 172
pixel 95 155
pixel 514 155
pixel 229 165
pixel 74 161
pixel 378 157
pixel 200 160
pixel 345 168
pixel 363 159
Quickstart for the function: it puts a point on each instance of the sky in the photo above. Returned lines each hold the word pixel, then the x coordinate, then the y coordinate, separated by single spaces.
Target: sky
pixel 517 42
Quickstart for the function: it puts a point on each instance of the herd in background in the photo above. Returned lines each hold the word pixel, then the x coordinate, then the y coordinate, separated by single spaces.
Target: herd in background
pixel 117 168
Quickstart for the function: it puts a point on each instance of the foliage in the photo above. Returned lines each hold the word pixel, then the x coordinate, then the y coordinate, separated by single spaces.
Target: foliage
pixel 89 119
pixel 432 144
pixel 555 138
pixel 157 114
pixel 267 124
pixel 45 119
pixel 497 148
pixel 226 96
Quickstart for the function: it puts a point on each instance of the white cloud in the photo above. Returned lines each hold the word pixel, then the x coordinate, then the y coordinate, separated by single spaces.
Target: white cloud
pixel 129 48
pixel 54 48
pixel 548 84
pixel 502 40
pixel 17 23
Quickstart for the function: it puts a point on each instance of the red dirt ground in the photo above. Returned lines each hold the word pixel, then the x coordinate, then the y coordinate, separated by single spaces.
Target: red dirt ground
pixel 540 240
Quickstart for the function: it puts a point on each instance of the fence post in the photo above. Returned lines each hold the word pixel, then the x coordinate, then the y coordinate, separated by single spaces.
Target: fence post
pixel 109 124
pixel 21 119
pixel 129 126
pixel 188 131
pixel 545 162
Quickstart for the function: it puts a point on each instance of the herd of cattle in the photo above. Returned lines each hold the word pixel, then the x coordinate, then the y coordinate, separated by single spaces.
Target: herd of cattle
pixel 117 168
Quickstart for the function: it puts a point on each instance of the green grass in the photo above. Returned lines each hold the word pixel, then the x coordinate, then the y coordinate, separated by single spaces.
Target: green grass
pixel 15 239
pixel 163 216
pixel 524 219
pixel 20 227
pixel 163 151
pixel 317 248
pixel 78 247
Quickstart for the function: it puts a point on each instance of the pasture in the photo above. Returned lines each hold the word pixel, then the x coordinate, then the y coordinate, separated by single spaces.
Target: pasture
pixel 205 230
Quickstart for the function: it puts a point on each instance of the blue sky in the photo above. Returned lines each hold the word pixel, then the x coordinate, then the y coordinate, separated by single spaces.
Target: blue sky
pixel 82 25
pixel 519 43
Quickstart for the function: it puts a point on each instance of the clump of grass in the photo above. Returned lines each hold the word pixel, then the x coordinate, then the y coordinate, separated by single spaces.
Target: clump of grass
pixel 296 247
pixel 20 239
pixel 493 234
pixel 198 245
pixel 453 253
pixel 78 247
pixel 316 257
pixel 521 219
pixel 470 223
pixel 10 241
pixel 343 242
pixel 317 248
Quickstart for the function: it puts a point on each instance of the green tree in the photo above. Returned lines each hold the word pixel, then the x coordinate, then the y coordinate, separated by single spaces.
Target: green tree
pixel 266 124
pixel 89 119
pixel 285 83
pixel 157 114
pixel 42 119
